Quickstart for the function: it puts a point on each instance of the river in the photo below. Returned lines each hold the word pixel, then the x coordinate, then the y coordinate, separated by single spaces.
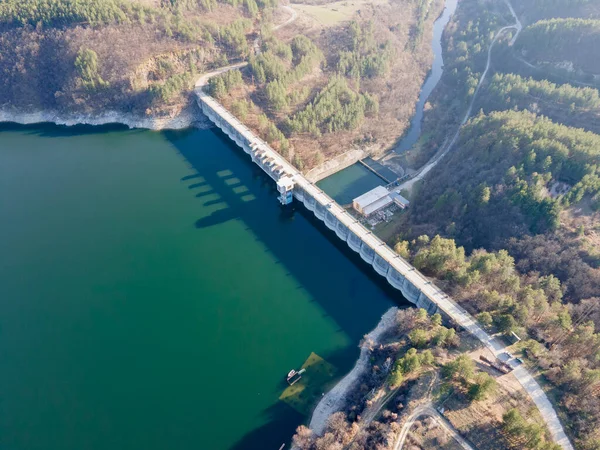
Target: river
pixel 357 179
pixel 153 293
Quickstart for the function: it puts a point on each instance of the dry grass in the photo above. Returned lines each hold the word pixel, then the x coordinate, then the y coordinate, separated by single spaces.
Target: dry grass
pixel 426 434
pixel 480 422
pixel 397 91
pixel 333 14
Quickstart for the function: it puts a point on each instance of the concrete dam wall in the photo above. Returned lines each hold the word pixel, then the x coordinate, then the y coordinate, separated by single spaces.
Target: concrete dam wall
pixel 371 249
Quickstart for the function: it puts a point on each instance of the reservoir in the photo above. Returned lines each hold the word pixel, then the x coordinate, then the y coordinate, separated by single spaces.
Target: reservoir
pixel 154 294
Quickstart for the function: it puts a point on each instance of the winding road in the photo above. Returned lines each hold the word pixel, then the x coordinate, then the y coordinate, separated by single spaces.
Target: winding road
pixel 526 380
pixel 429 411
pixel 293 17
pixel 437 158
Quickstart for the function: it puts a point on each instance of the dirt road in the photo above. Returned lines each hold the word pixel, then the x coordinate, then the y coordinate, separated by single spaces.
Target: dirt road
pixel 429 411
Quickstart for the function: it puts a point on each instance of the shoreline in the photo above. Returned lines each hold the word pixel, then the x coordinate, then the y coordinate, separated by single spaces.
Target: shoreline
pixel 187 118
pixel 334 400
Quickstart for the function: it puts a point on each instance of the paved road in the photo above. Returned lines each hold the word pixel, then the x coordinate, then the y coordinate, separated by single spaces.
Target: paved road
pixel 429 411
pixel 523 376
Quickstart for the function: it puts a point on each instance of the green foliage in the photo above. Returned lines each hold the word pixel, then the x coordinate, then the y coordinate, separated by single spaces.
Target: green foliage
pixel 445 337
pixel 522 156
pixel 539 9
pixel 513 422
pixel 396 378
pixel 529 435
pixel 277 94
pixel 303 49
pixel 485 319
pixel 240 108
pixel 335 108
pixel 221 85
pixel 409 363
pixel 233 37
pixel 172 87
pixel 402 248
pixel 59 13
pixel 216 87
pixel 267 67
pixel 506 323
pixel 418 337
pixel 441 258
pixel 86 65
pixel 462 368
pixel 264 4
pixel 507 91
pixel 251 7
pixel 558 40
pixel 423 7
pixel 364 59
pixel 298 161
pixel 483 386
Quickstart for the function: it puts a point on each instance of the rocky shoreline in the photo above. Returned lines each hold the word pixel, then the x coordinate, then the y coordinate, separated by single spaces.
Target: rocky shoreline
pixel 335 399
pixel 189 117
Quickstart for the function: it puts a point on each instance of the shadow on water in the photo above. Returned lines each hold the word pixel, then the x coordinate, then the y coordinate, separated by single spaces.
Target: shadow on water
pixel 342 291
pixel 339 295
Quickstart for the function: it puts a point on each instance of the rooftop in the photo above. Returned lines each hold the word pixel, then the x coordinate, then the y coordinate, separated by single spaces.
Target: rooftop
pixel 398 198
pixel 377 205
pixel 371 197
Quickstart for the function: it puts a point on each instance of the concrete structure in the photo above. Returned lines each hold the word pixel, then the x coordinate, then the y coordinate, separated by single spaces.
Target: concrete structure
pixel 371 202
pixel 399 200
pixel 371 249
pixel 399 273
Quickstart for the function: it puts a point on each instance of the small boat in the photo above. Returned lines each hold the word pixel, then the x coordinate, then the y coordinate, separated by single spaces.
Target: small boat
pixel 291 374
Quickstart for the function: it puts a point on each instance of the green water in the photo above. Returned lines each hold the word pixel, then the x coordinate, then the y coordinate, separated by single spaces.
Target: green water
pixel 153 294
pixel 350 183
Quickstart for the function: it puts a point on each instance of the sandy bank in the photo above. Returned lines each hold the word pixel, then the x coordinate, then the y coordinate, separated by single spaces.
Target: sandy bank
pixel 334 400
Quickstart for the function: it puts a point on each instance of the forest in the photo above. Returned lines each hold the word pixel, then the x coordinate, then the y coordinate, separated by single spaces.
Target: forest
pixel 88 55
pixel 507 178
pixel 562 42
pixel 317 95
pixel 492 288
pixel 534 10
pixel 507 223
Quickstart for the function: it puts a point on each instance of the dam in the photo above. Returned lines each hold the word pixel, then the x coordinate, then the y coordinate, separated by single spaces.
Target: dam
pixel 398 272
pixel 291 183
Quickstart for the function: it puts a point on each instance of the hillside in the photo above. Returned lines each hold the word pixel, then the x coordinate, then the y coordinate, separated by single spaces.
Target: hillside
pixel 563 103
pixel 508 221
pixel 132 56
pixel 565 44
pixel 533 10
pixel 344 84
